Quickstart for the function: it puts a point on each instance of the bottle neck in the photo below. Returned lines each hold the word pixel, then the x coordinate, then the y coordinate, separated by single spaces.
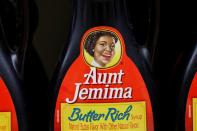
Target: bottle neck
pixel 99 12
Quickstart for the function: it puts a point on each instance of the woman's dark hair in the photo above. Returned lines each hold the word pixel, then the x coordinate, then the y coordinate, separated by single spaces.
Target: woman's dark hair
pixel 93 37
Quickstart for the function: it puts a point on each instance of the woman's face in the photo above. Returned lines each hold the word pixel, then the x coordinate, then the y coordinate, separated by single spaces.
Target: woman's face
pixel 104 50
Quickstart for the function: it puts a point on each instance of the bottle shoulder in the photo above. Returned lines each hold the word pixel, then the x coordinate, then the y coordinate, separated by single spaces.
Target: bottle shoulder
pixel 190 65
pixel 72 50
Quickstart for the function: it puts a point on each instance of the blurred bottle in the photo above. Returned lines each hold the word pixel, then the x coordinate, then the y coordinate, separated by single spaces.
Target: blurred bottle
pixel 18 23
pixel 13 104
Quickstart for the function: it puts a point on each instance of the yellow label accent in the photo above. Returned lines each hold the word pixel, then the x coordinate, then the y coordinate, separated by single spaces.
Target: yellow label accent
pixel 5 121
pixel 103 116
pixel 195 114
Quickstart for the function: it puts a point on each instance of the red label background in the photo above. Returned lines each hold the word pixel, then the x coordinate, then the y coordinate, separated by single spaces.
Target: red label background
pixel 132 78
pixel 6 105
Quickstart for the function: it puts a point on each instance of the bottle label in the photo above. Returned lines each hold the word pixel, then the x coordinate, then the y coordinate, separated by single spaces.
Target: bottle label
pixel 104 116
pixel 191 107
pixel 5 121
pixel 194 104
pixel 103 89
pixel 8 119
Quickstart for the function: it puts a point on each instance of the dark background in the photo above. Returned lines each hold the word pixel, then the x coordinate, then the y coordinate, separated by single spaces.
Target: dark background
pixel 52 30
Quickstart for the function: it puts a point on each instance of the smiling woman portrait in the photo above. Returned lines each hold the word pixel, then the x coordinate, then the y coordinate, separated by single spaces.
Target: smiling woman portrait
pixel 102 47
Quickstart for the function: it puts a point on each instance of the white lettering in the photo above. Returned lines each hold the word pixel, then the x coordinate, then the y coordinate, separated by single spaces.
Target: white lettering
pixel 103 78
pixel 106 92
pixel 76 93
pixel 92 74
pixel 83 94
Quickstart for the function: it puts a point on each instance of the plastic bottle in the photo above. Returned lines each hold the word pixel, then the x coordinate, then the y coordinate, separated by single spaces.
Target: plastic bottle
pixel 13 113
pixel 186 116
pixel 102 81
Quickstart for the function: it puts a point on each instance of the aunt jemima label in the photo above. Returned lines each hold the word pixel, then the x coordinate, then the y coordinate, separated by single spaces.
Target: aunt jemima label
pixel 191 108
pixel 8 119
pixel 103 89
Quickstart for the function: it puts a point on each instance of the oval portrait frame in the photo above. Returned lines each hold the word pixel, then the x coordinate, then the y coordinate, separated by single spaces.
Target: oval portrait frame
pixel 118 47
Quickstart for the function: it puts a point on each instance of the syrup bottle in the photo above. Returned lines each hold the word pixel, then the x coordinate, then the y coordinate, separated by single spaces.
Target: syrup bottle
pixel 186 116
pixel 102 82
pixel 13 35
pixel 181 66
